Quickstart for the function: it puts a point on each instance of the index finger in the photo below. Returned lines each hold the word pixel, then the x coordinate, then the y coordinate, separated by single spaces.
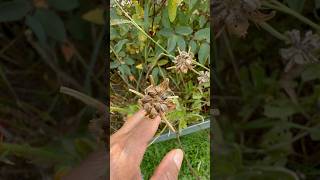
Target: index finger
pixel 133 120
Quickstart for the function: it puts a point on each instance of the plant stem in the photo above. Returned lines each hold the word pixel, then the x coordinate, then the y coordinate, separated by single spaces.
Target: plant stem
pixel 283 8
pixel 163 117
pixel 198 64
pixel 139 28
pixel 136 92
pixel 273 31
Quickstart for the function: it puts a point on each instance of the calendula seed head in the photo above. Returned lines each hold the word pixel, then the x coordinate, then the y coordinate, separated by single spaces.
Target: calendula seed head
pixel 153 102
pixel 184 61
pixel 301 49
pixel 203 77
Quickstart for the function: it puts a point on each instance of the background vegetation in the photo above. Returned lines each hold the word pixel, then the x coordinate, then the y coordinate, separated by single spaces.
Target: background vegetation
pixel 46 44
pixel 269 123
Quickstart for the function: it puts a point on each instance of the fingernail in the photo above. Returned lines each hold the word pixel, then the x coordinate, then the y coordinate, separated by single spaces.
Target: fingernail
pixel 178 157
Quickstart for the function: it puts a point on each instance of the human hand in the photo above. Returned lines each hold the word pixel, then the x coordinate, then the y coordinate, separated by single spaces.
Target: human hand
pixel 128 145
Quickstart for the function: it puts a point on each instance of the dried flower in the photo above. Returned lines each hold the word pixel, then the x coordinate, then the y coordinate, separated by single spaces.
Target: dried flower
pixel 301 50
pixel 183 62
pixel 155 100
pixel 235 15
pixel 204 77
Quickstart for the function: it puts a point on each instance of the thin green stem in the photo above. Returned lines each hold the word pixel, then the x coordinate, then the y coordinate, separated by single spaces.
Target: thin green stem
pixel 117 57
pixel 273 31
pixel 276 5
pixel 138 27
pixel 198 64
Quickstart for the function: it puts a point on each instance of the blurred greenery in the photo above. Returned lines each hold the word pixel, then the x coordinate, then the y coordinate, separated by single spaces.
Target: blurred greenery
pixel 46 44
pixel 269 122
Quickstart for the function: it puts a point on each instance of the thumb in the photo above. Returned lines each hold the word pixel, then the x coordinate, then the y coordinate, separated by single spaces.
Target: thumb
pixel 169 166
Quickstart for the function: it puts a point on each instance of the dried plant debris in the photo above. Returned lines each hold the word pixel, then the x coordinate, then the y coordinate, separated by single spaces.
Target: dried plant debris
pixel 204 77
pixel 184 61
pixel 302 50
pixel 235 15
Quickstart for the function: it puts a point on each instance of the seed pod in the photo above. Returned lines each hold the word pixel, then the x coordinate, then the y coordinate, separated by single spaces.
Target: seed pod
pixel 153 113
pixel 146 99
pixel 147 107
pixel 157 106
pixel 163 108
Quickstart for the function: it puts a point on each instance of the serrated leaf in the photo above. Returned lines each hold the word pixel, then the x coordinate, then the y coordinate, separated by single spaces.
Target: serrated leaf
pixel 51 23
pixel 204 53
pixel 184 30
pixel 64 5
pixel 13 10
pixel 37 29
pixel 202 34
pixel 95 16
pixel 172 9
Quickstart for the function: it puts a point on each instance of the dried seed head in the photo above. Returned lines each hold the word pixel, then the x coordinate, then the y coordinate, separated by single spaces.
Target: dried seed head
pixel 183 61
pixel 302 50
pixel 154 103
pixel 204 77
pixel 235 15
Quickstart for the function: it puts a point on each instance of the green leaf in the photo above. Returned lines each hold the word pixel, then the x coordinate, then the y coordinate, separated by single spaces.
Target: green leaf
pixel 95 16
pixel 279 111
pixel 155 74
pixel 124 69
pixel 315 133
pixel 172 9
pixel 193 46
pixel 162 62
pixel 165 18
pixel 37 29
pixel 166 32
pixel 296 5
pixel 171 43
pixel 184 30
pixel 14 10
pixel 64 5
pixel 204 53
pixel 181 43
pixel 129 61
pixel 52 24
pixel 202 21
pixel 114 64
pixel 119 45
pixel 202 34
pixel 182 124
pixel 311 72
